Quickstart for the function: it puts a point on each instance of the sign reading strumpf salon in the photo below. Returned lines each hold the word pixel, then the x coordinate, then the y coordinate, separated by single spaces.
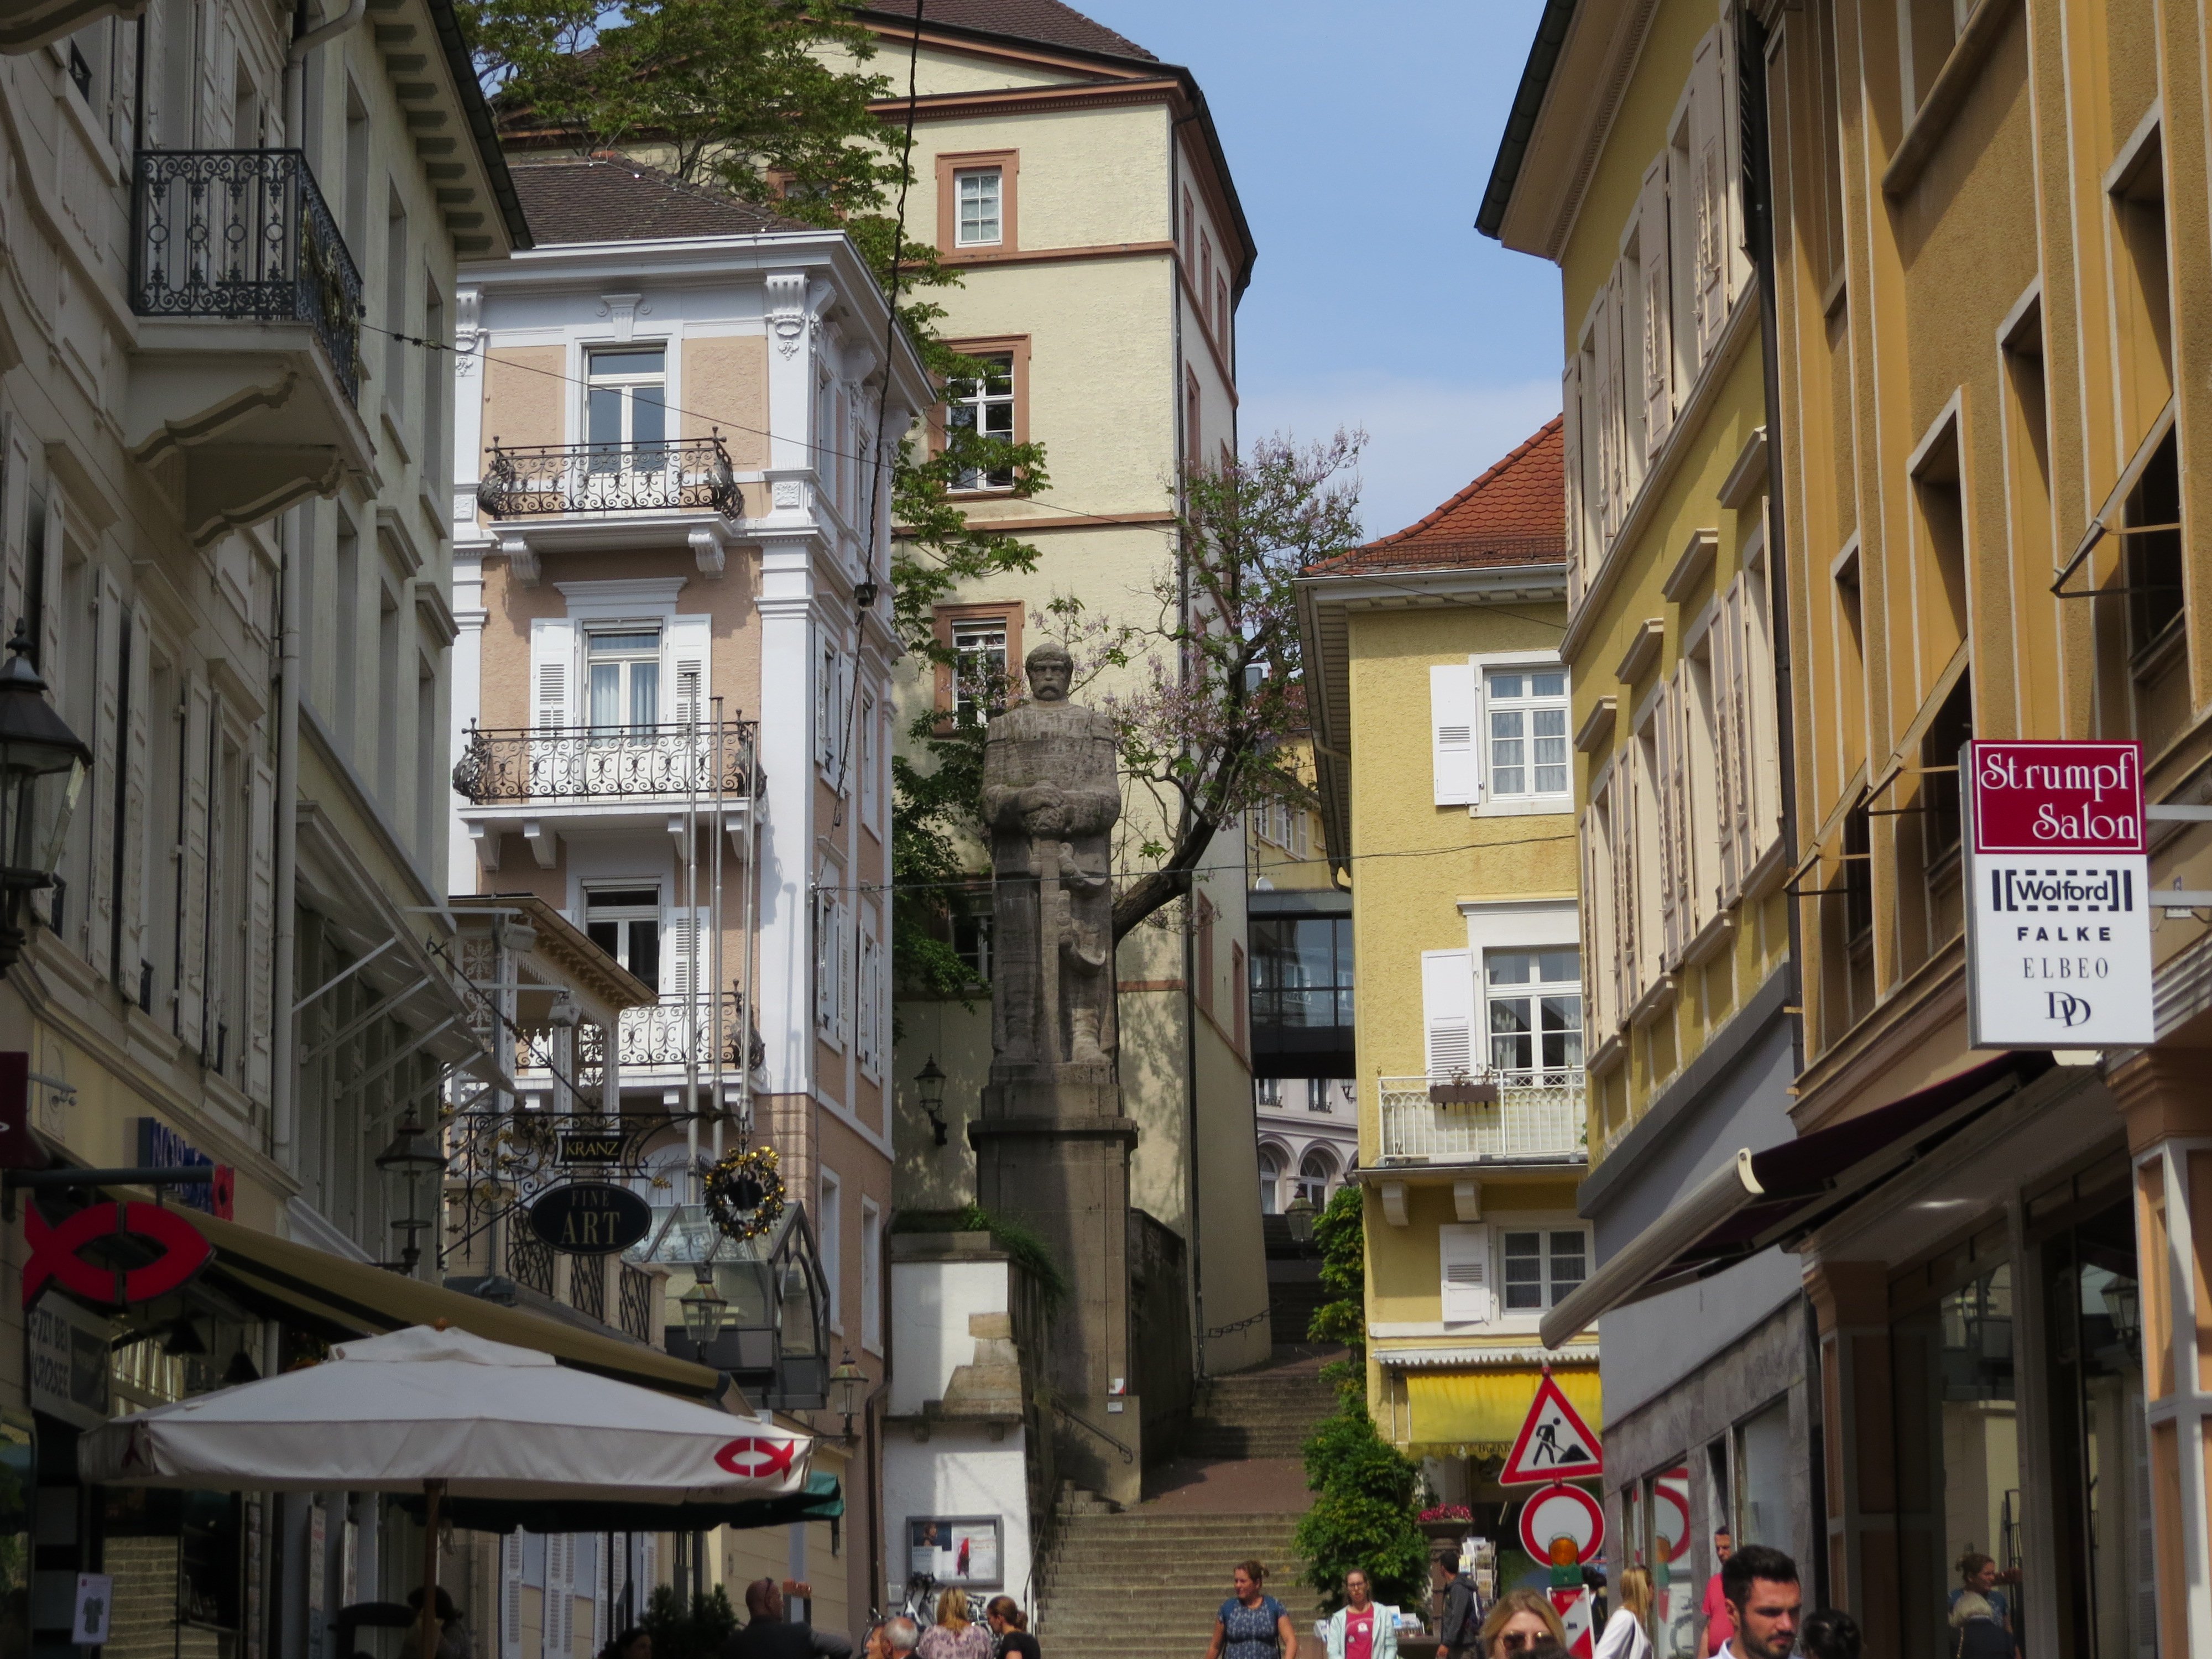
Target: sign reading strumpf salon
pixel 2058 919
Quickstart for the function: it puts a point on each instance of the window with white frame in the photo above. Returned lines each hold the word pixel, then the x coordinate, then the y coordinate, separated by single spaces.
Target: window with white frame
pixel 626 407
pixel 1316 1169
pixel 979 669
pixel 1533 1008
pixel 979 194
pixel 1541 1265
pixel 984 404
pixel 623 677
pixel 1526 740
pixel 625 923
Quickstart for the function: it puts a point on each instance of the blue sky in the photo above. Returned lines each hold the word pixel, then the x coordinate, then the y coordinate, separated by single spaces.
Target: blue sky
pixel 1361 138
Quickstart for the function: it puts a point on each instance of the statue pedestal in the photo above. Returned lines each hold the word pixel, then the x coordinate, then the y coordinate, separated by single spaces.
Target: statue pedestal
pixel 1052 1150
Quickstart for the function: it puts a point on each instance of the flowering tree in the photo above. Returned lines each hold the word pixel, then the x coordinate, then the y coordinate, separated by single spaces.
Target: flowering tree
pixel 1220 685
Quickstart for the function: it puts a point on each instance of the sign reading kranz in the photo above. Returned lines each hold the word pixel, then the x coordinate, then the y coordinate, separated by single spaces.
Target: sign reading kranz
pixel 2057 921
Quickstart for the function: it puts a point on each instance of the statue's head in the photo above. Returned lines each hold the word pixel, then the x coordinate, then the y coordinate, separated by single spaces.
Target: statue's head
pixel 1050 670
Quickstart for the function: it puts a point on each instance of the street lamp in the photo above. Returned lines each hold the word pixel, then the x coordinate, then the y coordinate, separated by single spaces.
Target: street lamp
pixel 410 1155
pixel 42 765
pixel 929 1089
pixel 1299 1213
pixel 703 1305
pixel 845 1385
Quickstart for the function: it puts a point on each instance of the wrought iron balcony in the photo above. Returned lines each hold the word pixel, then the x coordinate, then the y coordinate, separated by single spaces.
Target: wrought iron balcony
pixel 588 763
pixel 691 473
pixel 244 235
pixel 665 1034
pixel 1484 1118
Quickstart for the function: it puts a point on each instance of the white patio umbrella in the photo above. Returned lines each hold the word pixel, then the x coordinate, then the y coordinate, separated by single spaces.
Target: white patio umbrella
pixel 441 1411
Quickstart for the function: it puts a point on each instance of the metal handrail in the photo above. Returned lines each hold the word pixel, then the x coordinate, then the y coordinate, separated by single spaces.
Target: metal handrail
pixel 584 763
pixel 1128 1456
pixel 548 478
pixel 244 234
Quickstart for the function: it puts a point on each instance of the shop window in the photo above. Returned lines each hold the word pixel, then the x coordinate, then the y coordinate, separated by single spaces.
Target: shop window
pixel 1661 1538
pixel 2107 1607
pixel 1959 1475
pixel 1764 1457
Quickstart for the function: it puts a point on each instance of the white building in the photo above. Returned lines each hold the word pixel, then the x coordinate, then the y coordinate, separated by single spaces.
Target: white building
pixel 671 720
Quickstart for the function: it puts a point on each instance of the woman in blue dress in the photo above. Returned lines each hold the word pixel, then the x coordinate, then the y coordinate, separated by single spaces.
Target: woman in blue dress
pixel 1252 1624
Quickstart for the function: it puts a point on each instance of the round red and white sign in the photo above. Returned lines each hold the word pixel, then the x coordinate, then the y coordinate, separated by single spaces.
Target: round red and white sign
pixel 757 1456
pixel 1563 1512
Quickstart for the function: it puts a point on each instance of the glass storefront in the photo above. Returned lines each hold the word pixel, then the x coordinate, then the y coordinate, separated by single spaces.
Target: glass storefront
pixel 1958 1455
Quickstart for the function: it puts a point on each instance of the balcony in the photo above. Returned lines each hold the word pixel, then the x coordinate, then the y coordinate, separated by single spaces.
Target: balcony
pixel 247 367
pixel 1493 1117
pixel 592 496
pixel 533 780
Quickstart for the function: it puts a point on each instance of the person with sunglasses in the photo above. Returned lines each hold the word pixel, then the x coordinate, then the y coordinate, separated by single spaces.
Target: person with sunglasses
pixel 1518 1621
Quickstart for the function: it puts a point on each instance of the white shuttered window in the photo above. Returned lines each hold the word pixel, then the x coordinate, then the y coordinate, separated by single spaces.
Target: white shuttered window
pixel 1463 1263
pixel 1454 718
pixel 1448 1010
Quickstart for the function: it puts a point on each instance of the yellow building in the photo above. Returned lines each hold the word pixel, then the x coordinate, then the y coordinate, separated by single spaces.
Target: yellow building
pixel 1622 165
pixel 1078 185
pixel 1460 836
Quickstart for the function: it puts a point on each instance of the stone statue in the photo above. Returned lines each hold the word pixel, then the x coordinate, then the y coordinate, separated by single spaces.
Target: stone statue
pixel 1050 797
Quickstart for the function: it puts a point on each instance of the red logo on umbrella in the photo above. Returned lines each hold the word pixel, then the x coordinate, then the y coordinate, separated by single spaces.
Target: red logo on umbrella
pixel 58 1254
pixel 756 1457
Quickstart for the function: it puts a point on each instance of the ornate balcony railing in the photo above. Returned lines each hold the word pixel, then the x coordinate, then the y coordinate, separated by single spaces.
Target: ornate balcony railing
pixel 244 234
pixel 542 478
pixel 636 1293
pixel 584 763
pixel 1507 1116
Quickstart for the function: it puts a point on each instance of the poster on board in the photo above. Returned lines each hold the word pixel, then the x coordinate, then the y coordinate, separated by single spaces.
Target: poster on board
pixel 954 1549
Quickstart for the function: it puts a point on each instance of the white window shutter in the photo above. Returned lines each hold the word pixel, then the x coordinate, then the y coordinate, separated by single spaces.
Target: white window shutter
pixel 1595 987
pixel 687 646
pixel 192 875
pixel 1463 1261
pixel 552 671
pixel 214 1038
pixel 1657 300
pixel 1709 157
pixel 1630 943
pixel 137 833
pixel 104 784
pixel 845 969
pixel 1727 670
pixel 1454 732
pixel 261 896
pixel 1571 456
pixel 510 1596
pixel 560 1604
pixel 1666 793
pixel 1448 1011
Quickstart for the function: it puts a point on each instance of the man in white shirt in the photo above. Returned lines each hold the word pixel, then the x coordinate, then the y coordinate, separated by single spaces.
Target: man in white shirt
pixel 1760 1587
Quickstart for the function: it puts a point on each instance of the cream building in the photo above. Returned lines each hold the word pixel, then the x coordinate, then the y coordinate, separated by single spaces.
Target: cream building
pixel 1078 186
pixel 672 714
pixel 1457 836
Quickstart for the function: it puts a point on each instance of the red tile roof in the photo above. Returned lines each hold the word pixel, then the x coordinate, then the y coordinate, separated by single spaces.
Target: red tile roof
pixel 1514 514
pixel 614 199
pixel 1043 22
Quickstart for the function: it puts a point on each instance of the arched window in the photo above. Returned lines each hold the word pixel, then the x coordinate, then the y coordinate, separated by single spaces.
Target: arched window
pixel 1271 1181
pixel 1314 1173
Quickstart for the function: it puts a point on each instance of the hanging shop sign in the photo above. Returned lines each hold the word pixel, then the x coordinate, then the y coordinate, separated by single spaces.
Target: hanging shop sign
pixel 590 1217
pixel 745 1194
pixel 2058 923
pixel 1563 1527
pixel 591 1146
pixel 160 1147
pixel 56 1254
pixel 68 1358
pixel 1554 1442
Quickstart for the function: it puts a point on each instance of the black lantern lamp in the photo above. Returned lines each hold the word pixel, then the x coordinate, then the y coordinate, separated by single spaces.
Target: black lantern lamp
pixel 929 1089
pixel 846 1383
pixel 704 1306
pixel 42 767
pixel 1299 1213
pixel 410 1156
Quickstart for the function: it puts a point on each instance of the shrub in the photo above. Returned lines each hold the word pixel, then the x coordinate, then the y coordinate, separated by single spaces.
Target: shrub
pixel 1363 1514
pixel 689 1630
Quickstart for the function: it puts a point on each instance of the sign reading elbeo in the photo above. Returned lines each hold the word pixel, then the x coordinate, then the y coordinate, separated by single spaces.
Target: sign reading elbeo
pixel 590 1218
pixel 2059 925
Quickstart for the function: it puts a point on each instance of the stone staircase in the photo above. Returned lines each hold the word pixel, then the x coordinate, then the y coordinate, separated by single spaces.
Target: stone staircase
pixel 1161 1570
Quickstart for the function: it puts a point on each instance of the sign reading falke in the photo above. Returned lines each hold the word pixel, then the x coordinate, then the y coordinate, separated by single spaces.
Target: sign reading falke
pixel 2059 921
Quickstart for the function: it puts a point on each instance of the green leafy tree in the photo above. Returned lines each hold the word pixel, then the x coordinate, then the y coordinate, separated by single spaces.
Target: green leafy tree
pixel 1339 1230
pixel 1364 1511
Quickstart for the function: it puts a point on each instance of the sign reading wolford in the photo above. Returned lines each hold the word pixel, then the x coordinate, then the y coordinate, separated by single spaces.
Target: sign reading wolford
pixel 2058 927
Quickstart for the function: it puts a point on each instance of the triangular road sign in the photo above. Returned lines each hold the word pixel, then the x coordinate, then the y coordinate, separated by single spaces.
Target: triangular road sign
pixel 1554 1444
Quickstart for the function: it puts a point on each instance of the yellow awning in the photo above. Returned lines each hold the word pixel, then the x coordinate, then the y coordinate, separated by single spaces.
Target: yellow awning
pixel 1486 1409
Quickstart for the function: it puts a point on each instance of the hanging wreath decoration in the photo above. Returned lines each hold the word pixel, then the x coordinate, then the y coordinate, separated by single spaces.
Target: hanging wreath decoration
pixel 745 1194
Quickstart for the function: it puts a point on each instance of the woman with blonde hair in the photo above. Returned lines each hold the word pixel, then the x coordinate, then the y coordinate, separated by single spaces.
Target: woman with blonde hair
pixel 1626 1636
pixel 954 1635
pixel 1518 1620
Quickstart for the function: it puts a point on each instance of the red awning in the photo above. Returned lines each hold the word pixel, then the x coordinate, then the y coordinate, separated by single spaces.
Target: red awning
pixel 1778 1196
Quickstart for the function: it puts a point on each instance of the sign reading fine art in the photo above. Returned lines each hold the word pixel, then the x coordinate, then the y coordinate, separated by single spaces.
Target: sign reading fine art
pixel 2058 924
